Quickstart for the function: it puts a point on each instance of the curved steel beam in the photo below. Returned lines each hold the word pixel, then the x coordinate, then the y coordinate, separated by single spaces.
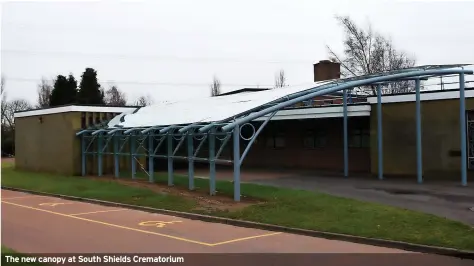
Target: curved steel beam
pixel 340 87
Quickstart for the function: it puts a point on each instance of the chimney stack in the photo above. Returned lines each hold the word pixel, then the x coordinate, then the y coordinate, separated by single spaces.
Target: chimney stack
pixel 326 70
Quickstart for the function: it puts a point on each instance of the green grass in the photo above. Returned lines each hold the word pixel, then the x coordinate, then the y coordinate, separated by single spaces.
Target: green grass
pixel 8 251
pixel 287 207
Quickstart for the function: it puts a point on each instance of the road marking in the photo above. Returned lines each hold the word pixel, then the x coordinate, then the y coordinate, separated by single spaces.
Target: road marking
pixel 53 204
pixel 24 197
pixel 159 224
pixel 83 213
pixel 244 238
pixel 112 225
pixel 144 231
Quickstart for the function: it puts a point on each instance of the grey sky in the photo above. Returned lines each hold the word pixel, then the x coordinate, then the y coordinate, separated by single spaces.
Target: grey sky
pixel 171 49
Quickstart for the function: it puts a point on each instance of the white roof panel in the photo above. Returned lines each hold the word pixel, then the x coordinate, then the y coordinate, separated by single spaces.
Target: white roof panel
pixel 210 109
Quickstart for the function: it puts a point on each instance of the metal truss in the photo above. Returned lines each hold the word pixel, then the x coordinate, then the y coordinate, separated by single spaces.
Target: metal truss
pixel 146 142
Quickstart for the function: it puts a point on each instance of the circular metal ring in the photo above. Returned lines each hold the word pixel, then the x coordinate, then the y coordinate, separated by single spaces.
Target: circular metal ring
pixel 253 133
pixel 199 139
pixel 174 137
pixel 217 137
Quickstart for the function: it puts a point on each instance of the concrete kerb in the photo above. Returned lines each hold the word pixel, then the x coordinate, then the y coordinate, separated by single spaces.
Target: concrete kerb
pixel 464 254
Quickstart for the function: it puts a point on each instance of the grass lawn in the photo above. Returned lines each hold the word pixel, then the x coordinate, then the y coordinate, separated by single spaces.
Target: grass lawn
pixel 7 251
pixel 287 207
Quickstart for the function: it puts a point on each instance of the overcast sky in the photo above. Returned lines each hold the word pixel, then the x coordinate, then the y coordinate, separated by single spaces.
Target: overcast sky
pixel 170 49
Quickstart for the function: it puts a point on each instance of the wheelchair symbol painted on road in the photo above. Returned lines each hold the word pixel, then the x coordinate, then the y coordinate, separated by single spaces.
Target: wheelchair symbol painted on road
pixel 159 224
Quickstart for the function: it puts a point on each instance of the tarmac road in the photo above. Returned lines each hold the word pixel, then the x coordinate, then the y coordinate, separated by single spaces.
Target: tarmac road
pixel 47 225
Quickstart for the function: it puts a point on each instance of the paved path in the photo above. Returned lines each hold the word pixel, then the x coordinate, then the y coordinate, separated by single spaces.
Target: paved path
pixel 39 224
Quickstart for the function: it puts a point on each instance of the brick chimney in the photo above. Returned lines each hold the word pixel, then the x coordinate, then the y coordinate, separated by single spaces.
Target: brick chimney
pixel 326 70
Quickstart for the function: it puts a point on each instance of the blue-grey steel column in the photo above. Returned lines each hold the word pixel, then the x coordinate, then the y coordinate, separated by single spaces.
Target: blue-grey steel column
pixel 212 161
pixel 379 130
pixel 236 160
pixel 462 121
pixel 419 160
pixel 116 137
pixel 151 166
pixel 191 161
pixel 83 153
pixel 132 155
pixel 170 158
pixel 99 154
pixel 346 144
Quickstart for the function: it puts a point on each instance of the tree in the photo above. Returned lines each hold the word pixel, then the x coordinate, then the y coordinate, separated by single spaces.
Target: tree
pixel 44 93
pixel 64 91
pixel 89 89
pixel 280 79
pixel 367 52
pixel 215 87
pixel 115 97
pixel 8 123
pixel 143 101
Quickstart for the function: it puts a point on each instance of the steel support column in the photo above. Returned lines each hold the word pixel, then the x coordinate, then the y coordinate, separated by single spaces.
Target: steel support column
pixel 379 131
pixel 169 139
pixel 212 161
pixel 462 122
pixel 100 139
pixel 83 154
pixel 190 161
pixel 236 160
pixel 419 160
pixel 116 137
pixel 346 144
pixel 132 155
pixel 151 166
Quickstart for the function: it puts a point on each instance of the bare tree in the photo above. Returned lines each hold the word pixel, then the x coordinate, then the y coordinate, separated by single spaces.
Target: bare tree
pixel 143 101
pixel 115 97
pixel 215 87
pixel 367 52
pixel 45 88
pixel 11 108
pixel 280 79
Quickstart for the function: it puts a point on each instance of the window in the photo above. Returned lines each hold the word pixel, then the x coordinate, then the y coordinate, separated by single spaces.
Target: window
pixel 275 141
pixel 314 139
pixel 359 138
pixel 104 117
pixel 90 120
pixel 83 120
pixel 97 118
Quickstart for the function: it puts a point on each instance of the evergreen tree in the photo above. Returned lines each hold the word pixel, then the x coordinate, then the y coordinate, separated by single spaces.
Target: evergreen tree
pixel 89 89
pixel 64 91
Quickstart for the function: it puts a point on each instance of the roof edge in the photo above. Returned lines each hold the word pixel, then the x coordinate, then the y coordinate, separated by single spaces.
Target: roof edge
pixel 75 108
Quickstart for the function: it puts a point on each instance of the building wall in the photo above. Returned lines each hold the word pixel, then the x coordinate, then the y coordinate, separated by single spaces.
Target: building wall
pixel 440 138
pixel 52 146
pixel 327 153
pixel 46 146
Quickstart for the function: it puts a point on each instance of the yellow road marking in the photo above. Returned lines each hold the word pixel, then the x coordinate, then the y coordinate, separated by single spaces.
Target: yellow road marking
pixel 143 231
pixel 244 238
pixel 82 213
pixel 53 204
pixel 112 225
pixel 159 224
pixel 23 197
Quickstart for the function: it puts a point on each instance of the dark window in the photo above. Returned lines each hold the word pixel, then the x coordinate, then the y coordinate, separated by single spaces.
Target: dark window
pixel 104 117
pixel 328 102
pixel 359 138
pixel 90 120
pixel 97 118
pixel 276 141
pixel 83 120
pixel 314 139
